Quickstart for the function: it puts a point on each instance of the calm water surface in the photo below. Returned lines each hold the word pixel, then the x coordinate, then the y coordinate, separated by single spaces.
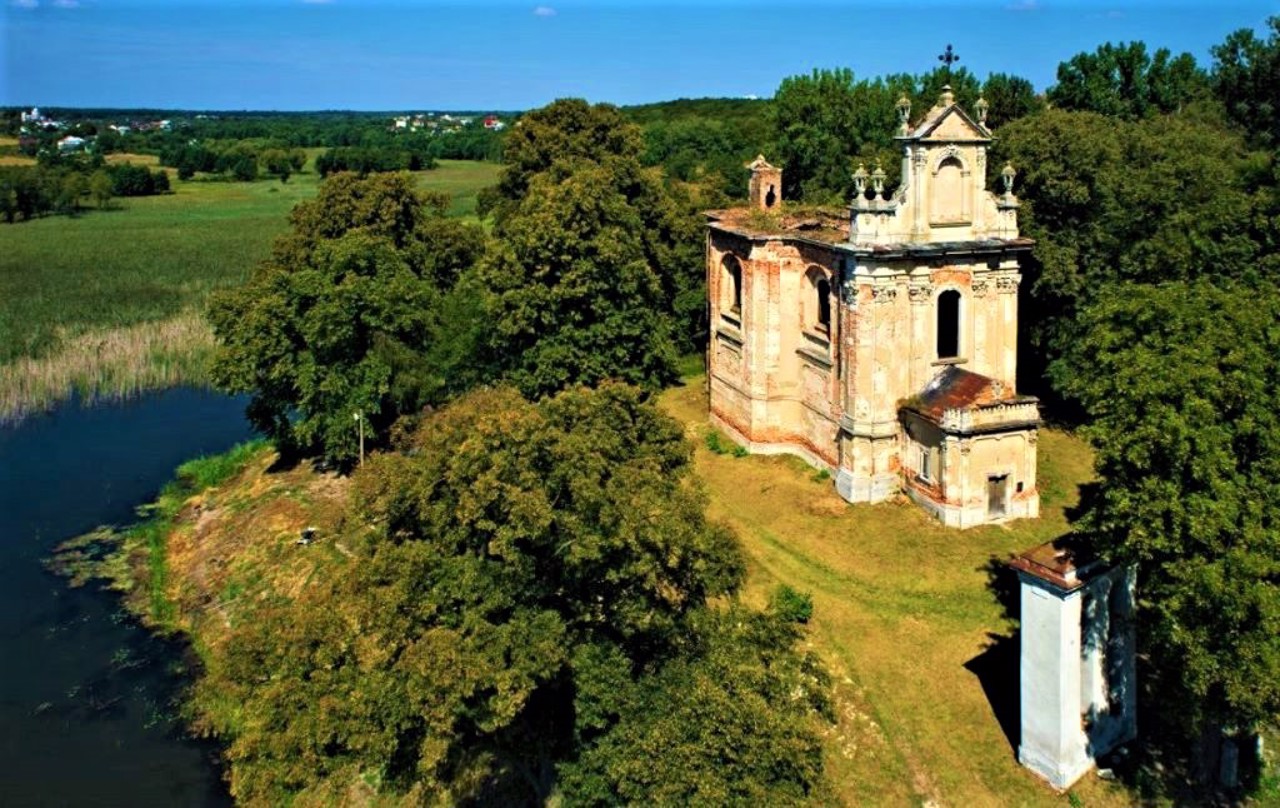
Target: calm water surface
pixel 86 696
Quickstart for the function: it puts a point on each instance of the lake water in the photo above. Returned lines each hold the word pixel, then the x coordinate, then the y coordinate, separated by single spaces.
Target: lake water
pixel 86 695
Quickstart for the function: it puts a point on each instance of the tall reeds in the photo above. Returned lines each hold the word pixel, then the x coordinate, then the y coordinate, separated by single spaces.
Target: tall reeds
pixel 109 364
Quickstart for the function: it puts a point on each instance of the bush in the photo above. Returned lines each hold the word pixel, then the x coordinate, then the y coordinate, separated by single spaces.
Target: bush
pixel 790 605
pixel 721 445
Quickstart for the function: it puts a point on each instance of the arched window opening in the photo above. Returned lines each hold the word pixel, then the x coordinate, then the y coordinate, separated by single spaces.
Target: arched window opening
pixel 770 198
pixel 731 286
pixel 949 324
pixel 824 305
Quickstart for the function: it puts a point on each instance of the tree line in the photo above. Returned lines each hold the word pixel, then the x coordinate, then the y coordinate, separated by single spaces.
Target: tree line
pixel 62 186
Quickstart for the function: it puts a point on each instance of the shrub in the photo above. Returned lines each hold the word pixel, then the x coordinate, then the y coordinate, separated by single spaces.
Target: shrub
pixel 790 605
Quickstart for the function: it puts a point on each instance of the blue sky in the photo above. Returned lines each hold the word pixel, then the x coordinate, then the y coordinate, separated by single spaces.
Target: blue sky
pixel 499 54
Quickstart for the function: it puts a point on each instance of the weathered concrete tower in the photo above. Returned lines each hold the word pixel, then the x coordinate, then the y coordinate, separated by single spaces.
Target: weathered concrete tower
pixel 1077 668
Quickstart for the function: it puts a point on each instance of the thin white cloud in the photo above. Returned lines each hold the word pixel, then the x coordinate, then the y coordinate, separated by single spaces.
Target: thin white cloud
pixel 544 11
pixel 1023 5
pixel 67 3
pixel 25 3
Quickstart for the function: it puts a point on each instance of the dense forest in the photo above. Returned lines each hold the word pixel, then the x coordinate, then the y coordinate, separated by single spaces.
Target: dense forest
pixel 541 607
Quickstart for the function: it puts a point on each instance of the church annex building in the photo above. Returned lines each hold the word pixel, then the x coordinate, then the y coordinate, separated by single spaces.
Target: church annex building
pixel 881 344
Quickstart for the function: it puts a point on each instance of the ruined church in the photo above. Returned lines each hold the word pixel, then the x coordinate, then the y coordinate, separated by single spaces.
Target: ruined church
pixel 881 344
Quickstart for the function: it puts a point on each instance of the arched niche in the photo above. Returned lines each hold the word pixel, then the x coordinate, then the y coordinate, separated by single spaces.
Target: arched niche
pixel 950 190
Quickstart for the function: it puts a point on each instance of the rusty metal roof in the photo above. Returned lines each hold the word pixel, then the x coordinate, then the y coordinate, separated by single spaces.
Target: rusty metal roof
pixel 956 388
pixel 1064 562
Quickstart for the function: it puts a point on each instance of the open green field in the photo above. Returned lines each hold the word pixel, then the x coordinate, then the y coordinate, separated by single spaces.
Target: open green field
pixel 67 279
pixel 907 619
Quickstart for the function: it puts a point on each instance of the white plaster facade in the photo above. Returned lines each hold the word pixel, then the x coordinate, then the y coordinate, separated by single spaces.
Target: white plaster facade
pixel 1078 696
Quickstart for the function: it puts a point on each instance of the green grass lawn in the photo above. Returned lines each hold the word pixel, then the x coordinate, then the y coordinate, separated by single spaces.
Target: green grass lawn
pixel 155 256
pixel 461 179
pixel 906 617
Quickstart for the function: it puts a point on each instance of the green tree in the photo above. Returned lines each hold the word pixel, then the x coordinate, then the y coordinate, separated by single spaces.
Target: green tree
pixel 1106 200
pixel 566 129
pixel 533 581
pixel 340 319
pixel 663 231
pixel 1180 380
pixel 1246 77
pixel 102 188
pixel 74 186
pixel 278 164
pixel 1009 98
pixel 825 123
pixel 728 723
pixel 1123 81
pixel 573 296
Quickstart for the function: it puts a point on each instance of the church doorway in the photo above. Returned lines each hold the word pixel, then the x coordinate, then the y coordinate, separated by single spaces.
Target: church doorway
pixel 997 488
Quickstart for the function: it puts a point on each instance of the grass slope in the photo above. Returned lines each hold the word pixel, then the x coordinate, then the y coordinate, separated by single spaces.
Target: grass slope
pixel 906 617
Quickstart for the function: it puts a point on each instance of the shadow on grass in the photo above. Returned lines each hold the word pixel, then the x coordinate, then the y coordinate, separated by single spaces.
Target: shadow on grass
pixel 997 672
pixel 997 666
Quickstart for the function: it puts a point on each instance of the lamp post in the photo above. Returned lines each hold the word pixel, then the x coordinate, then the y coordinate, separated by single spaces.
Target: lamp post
pixel 360 427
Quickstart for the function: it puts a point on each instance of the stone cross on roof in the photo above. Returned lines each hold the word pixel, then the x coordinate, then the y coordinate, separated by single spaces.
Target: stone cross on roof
pixel 948 58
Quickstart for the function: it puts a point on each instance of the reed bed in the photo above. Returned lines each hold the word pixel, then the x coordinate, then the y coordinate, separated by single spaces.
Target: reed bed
pixel 109 364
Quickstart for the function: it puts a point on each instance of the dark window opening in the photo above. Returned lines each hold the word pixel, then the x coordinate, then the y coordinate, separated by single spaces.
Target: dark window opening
pixel 733 278
pixel 770 198
pixel 824 305
pixel 949 324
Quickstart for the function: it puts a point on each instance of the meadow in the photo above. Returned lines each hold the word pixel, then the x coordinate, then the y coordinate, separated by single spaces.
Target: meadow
pixel 908 615
pixel 119 279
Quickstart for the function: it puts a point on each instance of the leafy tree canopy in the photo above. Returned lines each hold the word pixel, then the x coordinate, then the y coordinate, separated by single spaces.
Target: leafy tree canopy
pixel 1124 81
pixel 1181 381
pixel 1106 200
pixel 1246 76
pixel 566 129
pixel 575 296
pixel 341 318
pixel 531 594
pixel 600 273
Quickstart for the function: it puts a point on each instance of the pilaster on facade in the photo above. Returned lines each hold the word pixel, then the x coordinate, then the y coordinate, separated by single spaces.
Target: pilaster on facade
pixel 847 319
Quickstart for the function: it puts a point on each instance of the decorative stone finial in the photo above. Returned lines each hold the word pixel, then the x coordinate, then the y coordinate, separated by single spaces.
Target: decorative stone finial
pixel 904 113
pixel 947 98
pixel 860 180
pixel 877 181
pixel 1006 178
pixel 981 108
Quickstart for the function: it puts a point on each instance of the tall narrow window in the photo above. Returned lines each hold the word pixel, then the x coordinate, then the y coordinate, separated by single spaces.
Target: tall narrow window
pixel 949 324
pixel 824 305
pixel 731 286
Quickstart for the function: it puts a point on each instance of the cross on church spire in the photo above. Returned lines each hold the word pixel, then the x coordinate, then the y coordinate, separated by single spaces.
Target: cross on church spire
pixel 948 58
